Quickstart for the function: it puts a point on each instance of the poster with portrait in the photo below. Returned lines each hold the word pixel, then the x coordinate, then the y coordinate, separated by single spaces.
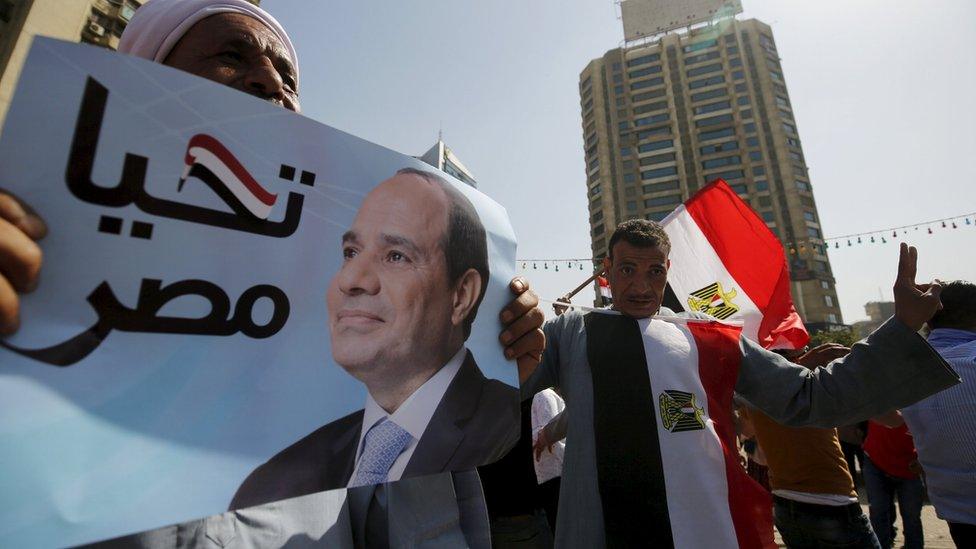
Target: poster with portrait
pixel 237 305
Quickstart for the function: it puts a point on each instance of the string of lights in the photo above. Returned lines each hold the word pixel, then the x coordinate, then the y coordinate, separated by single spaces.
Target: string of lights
pixel 794 247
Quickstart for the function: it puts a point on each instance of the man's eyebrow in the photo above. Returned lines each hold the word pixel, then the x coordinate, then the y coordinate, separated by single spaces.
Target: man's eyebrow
pixel 349 237
pixel 279 58
pixel 402 242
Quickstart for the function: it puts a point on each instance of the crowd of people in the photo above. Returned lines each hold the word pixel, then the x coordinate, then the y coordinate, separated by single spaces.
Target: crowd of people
pixel 616 445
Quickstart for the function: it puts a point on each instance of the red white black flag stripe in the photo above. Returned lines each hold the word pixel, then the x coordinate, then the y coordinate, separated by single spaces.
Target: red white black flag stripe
pixel 211 162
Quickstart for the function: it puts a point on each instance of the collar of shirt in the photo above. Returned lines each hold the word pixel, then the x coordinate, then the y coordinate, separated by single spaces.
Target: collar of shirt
pixel 415 412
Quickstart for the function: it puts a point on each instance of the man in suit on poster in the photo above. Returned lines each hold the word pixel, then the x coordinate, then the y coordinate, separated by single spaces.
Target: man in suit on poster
pixel 415 269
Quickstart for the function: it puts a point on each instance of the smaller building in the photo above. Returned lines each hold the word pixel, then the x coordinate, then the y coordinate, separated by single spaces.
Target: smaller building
pixel 441 157
pixel 878 312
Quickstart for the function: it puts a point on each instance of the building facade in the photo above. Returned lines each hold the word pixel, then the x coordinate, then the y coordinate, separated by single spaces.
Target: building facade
pixel 663 118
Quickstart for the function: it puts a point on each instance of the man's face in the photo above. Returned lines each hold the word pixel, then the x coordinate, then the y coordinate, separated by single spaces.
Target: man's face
pixel 390 304
pixel 637 277
pixel 239 51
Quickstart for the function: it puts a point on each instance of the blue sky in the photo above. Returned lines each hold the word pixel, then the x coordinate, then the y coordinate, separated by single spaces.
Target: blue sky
pixel 882 92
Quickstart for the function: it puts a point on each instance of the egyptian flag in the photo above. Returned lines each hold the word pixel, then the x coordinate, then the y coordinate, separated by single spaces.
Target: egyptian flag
pixel 208 160
pixel 667 462
pixel 727 263
pixel 605 294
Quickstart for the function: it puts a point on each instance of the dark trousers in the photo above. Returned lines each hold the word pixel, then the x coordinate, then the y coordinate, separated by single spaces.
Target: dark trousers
pixel 883 489
pixel 963 535
pixel 804 525
pixel 549 501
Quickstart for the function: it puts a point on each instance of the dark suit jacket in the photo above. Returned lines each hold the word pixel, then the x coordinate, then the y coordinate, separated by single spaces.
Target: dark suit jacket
pixel 476 422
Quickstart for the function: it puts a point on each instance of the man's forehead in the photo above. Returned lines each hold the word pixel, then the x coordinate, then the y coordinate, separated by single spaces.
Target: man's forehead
pixel 625 251
pixel 228 27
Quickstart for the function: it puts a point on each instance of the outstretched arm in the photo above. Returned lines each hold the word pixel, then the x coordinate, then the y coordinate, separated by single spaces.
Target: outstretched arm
pixel 892 368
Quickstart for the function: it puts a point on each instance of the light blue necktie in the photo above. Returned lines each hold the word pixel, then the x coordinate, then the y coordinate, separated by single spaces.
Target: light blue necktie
pixel 383 443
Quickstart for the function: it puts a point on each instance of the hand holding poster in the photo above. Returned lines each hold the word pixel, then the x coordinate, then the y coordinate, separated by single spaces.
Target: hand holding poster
pixel 202 241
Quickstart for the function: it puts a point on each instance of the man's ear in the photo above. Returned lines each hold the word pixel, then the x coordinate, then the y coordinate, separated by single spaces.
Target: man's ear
pixel 668 264
pixel 607 263
pixel 466 294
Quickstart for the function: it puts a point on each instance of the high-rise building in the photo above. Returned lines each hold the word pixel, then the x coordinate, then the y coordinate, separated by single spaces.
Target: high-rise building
pixel 666 116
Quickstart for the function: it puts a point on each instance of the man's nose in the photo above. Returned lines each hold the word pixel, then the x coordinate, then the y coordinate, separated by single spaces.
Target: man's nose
pixel 262 79
pixel 357 277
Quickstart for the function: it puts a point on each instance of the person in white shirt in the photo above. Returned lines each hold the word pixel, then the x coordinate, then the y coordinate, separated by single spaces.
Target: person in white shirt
pixel 546 405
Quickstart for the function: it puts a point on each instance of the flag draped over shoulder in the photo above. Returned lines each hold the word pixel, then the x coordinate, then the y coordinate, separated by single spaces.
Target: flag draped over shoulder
pixel 727 263
pixel 668 472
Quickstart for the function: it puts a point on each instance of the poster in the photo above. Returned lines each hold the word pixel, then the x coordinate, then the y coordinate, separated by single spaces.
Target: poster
pixel 222 280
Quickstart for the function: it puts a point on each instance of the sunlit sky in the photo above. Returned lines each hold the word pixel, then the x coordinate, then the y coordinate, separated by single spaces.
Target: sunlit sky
pixel 882 92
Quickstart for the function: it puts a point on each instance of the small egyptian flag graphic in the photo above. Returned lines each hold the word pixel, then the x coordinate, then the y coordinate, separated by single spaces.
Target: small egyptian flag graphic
pixel 210 161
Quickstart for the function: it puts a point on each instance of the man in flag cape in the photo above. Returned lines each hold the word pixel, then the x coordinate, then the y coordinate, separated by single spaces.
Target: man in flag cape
pixel 650 455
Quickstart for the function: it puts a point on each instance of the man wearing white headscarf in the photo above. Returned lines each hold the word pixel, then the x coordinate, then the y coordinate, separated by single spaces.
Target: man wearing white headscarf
pixel 236 43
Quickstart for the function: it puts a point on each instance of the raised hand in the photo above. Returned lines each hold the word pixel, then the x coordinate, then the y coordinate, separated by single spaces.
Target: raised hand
pixel 915 303
pixel 20 257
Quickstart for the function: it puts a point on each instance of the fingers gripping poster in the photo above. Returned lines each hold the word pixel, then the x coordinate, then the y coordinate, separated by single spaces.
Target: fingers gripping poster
pixel 236 303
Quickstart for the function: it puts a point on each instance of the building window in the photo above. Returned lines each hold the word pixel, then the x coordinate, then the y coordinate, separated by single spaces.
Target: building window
pixel 749 127
pixel 652 119
pixel 659 187
pixel 727 146
pixel 617 78
pixel 738 75
pixel 743 100
pixel 796 156
pixel 735 62
pixel 717 79
pixel 832 318
pixel 644 96
pixel 710 94
pixel 699 46
pixel 628 164
pixel 644 72
pixel 657 159
pixel 663 130
pixel 813 233
pixel 728 176
pixel 755 156
pixel 765 202
pixel 618 90
pixel 809 216
pixel 762 185
pixel 656 106
pixel 712 107
pixel 740 88
pixel 716 134
pixel 768 217
pixel 598 230
pixel 802 185
pixel 789 128
pixel 655 145
pixel 624 125
pixel 647 83
pixel 631 205
pixel 752 141
pixel 705 69
pixel 758 170
pixel 597 216
pixel 699 58
pixel 662 201
pixel 659 172
pixel 595 191
pixel 620 101
pixel 740 188
pixel 624 151
pixel 719 162
pixel 643 59
pixel 824 284
pixel 629 178
pixel 746 113
pixel 616 67
pixel 782 102
pixel 711 121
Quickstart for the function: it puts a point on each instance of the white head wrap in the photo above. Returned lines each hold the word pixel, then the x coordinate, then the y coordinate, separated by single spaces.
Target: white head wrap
pixel 158 25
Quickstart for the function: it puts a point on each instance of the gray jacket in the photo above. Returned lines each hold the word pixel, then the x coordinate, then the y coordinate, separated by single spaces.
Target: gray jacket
pixel 892 368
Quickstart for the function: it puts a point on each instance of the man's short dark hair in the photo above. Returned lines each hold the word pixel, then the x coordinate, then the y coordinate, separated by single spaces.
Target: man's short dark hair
pixel 642 233
pixel 465 244
pixel 958 306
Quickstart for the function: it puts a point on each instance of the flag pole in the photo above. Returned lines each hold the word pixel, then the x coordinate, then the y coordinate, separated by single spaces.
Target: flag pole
pixel 563 302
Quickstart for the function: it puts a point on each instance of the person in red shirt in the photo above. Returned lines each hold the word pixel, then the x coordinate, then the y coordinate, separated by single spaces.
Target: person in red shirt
pixel 891 470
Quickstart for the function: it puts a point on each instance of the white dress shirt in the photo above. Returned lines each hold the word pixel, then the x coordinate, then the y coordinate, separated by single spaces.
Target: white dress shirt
pixel 413 415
